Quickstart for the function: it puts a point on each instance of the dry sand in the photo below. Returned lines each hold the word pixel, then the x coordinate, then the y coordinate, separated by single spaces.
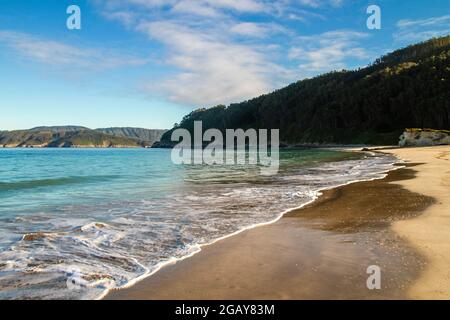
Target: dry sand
pixel 430 232
pixel 400 223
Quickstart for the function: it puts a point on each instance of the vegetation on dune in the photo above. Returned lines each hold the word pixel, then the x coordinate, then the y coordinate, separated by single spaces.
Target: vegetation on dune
pixel 372 105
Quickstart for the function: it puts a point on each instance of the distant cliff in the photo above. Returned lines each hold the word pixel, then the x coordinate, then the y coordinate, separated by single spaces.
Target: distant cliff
pixel 71 137
pixel 409 88
pixel 149 135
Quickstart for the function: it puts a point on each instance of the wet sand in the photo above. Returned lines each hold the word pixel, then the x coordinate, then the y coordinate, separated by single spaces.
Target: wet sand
pixel 319 252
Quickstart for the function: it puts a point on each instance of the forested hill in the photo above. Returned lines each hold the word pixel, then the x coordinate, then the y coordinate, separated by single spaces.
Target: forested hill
pixel 373 105
pixel 79 137
pixel 53 138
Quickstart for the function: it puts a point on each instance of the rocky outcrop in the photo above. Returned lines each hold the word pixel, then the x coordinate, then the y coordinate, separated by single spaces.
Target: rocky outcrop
pixel 424 137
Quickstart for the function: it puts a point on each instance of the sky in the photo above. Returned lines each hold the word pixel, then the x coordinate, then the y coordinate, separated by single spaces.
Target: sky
pixel 147 63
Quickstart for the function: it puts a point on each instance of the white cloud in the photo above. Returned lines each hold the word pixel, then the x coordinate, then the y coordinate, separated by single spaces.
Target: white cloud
pixel 212 68
pixel 410 31
pixel 250 29
pixel 310 3
pixel 434 21
pixel 418 36
pixel 200 5
pixel 256 30
pixel 241 5
pixel 56 53
pixel 216 56
pixel 328 51
pixel 196 8
pixel 127 18
pixel 291 9
pixel 321 3
pixel 213 55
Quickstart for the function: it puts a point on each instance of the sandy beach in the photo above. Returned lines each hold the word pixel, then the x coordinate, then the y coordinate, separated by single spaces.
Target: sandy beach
pixel 400 223
pixel 429 232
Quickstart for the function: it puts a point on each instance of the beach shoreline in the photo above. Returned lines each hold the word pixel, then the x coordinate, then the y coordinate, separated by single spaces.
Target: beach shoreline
pixel 198 277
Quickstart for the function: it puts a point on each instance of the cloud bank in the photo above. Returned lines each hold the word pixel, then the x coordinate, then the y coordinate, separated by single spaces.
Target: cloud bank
pixel 226 51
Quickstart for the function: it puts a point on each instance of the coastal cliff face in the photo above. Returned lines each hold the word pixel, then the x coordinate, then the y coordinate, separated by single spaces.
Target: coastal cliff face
pixel 424 137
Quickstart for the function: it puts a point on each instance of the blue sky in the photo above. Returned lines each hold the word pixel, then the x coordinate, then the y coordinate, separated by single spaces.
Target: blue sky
pixel 147 63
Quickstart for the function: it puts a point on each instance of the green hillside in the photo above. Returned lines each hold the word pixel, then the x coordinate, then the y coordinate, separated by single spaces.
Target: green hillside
pixel 65 138
pixel 149 135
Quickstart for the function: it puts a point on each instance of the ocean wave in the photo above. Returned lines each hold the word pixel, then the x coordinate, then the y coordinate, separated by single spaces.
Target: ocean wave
pixel 54 182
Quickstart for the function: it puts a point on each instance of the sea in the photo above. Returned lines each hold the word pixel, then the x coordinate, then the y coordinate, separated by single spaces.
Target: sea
pixel 76 223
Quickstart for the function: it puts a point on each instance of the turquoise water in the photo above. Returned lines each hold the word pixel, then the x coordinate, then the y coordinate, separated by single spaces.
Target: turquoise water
pixel 76 222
